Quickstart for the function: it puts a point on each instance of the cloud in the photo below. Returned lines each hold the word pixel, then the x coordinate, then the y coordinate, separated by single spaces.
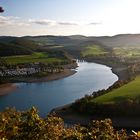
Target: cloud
pixel 20 22
pixel 95 23
pixel 43 22
pixel 51 22
pixel 4 20
pixel 47 22
pixel 67 23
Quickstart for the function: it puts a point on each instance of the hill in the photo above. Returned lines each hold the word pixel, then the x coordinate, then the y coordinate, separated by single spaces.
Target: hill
pixel 125 45
pixel 119 40
pixel 9 49
pixel 26 43
pixel 10 46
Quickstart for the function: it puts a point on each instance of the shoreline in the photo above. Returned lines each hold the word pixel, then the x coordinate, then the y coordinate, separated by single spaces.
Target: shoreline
pixel 68 71
pixel 9 87
pixel 51 77
pixel 72 117
pixel 118 69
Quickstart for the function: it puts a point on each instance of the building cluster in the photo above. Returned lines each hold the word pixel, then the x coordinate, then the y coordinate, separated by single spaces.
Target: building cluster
pixel 28 70
pixel 17 72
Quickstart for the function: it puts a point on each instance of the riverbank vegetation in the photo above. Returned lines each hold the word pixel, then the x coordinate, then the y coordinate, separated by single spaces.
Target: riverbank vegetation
pixel 129 92
pixel 121 100
pixel 124 100
pixel 28 125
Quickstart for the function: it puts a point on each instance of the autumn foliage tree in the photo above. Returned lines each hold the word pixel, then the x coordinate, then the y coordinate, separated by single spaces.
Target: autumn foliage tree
pixel 27 125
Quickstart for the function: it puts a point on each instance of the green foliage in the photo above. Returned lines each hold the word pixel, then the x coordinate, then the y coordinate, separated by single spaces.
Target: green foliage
pixel 117 104
pixel 128 52
pixel 26 43
pixel 93 50
pixel 35 57
pixel 7 49
pixel 128 91
pixel 27 125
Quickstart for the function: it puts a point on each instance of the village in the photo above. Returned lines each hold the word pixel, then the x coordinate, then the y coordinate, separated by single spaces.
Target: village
pixel 28 69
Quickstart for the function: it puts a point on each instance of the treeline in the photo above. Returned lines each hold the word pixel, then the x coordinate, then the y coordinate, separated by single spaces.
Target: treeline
pixel 27 125
pixel 98 93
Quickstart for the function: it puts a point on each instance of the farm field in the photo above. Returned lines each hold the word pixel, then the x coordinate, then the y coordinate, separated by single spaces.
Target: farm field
pixel 35 57
pixel 94 50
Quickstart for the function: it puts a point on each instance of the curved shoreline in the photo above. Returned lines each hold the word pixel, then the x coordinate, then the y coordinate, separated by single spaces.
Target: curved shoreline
pixel 8 87
pixel 72 117
pixel 118 69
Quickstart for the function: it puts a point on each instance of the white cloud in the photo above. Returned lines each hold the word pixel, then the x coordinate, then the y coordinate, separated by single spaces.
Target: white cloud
pixel 52 22
pixel 12 21
pixel 43 22
pixel 95 23
pixel 5 20
pixel 48 22
pixel 20 27
pixel 68 23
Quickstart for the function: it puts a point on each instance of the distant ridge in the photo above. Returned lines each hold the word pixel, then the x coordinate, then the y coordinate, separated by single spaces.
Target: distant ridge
pixel 72 42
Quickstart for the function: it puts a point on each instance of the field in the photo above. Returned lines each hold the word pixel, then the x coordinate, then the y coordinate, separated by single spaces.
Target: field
pixel 128 91
pixel 35 57
pixel 93 50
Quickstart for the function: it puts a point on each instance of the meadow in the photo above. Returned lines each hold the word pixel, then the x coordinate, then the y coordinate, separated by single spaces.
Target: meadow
pixel 35 57
pixel 93 50
pixel 129 91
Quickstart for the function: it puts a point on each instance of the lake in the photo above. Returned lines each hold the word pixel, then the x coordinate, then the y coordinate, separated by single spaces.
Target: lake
pixel 47 95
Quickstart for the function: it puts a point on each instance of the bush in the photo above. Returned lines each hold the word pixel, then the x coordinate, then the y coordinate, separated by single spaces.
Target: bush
pixel 27 125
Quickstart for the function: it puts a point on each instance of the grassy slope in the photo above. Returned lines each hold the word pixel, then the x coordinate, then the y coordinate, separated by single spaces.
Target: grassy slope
pixel 128 91
pixel 35 57
pixel 93 50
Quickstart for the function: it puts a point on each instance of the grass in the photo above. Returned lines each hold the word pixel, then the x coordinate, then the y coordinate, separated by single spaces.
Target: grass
pixel 128 91
pixel 93 50
pixel 35 57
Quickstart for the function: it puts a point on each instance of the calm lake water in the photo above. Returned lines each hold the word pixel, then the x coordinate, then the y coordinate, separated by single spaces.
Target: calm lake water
pixel 48 95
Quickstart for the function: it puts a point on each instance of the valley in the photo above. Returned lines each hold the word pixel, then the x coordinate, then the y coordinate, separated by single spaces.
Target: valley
pixel 53 55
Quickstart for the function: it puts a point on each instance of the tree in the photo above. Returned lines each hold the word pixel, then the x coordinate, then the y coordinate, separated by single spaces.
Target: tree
pixel 27 125
pixel 1 10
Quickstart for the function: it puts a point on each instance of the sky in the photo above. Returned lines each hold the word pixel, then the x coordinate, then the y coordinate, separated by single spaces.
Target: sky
pixel 69 17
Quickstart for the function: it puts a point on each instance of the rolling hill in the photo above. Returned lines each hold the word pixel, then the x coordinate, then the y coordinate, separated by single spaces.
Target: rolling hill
pixel 74 44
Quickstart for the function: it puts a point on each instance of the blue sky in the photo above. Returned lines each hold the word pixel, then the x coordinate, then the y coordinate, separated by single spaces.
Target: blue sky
pixel 67 17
